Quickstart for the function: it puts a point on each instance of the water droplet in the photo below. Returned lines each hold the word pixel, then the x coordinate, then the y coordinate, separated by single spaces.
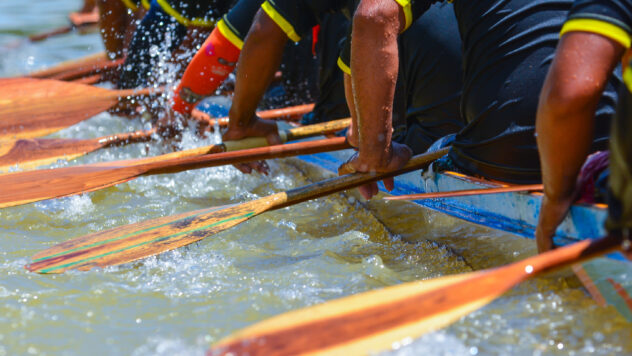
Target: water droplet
pixel 528 269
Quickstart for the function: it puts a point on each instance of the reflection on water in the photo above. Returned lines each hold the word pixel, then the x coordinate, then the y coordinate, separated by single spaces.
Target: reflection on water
pixel 181 301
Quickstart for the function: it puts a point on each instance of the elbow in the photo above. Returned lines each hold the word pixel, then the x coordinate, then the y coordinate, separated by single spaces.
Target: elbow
pixel 568 98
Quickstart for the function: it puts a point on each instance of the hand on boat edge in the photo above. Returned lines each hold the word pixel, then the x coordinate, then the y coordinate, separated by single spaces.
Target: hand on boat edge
pixel 400 154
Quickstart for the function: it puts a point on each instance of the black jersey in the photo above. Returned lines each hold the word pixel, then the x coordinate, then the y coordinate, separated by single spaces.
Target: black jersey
pixel 203 13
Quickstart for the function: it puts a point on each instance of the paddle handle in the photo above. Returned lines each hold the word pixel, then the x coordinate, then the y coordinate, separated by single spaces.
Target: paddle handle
pixel 89 70
pixel 249 155
pixel 125 93
pixel 89 60
pixel 349 181
pixel 126 138
pixel 286 113
pixel 570 254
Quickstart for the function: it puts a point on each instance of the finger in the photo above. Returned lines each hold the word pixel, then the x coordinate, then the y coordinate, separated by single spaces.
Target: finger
pixel 274 139
pixel 261 167
pixel 243 168
pixel 365 191
pixel 389 184
pixel 346 168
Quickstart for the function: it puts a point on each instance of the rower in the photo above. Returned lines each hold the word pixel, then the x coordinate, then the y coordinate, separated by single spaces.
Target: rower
pixel 268 35
pixel 117 21
pixel 428 89
pixel 171 24
pixel 217 58
pixel 571 113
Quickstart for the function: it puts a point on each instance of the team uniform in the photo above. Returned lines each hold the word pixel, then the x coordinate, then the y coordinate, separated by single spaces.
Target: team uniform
pixel 613 19
pixel 428 88
pixel 218 56
pixel 165 24
pixel 134 5
pixel 508 46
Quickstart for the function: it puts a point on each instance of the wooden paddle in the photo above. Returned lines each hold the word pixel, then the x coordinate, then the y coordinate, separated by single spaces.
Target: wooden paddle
pixel 370 322
pixel 82 22
pixel 82 72
pixel 37 107
pixel 30 186
pixel 30 153
pixel 132 242
pixel 468 192
pixel 71 65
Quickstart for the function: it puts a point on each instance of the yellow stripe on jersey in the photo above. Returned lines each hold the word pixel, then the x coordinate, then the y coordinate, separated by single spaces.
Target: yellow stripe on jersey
pixel 599 27
pixel 280 21
pixel 146 4
pixel 183 20
pixel 230 35
pixel 408 12
pixel 130 5
pixel 627 77
pixel 343 66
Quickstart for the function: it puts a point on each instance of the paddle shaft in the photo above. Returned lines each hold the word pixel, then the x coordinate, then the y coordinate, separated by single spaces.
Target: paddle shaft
pixel 87 71
pixel 84 62
pixel 372 321
pixel 468 192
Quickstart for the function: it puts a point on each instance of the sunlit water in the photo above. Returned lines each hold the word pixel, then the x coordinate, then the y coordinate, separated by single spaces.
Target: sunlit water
pixel 182 301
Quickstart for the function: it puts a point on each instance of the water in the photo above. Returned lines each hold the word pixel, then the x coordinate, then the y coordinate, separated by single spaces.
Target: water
pixel 182 301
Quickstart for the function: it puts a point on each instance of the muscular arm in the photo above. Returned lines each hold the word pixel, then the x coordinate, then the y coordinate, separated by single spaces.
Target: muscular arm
pixel 113 23
pixel 374 67
pixel 375 63
pixel 259 60
pixel 565 120
pixel 352 133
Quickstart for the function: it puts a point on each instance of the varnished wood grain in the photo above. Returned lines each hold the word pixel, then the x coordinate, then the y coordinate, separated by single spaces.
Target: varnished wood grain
pixel 373 321
pixel 74 64
pixel 30 186
pixel 37 107
pixel 135 241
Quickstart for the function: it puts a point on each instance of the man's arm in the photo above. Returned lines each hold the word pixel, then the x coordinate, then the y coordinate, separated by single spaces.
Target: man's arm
pixel 374 68
pixel 258 62
pixel 565 120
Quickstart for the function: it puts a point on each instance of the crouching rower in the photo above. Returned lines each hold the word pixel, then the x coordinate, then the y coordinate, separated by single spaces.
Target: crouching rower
pixel 169 25
pixel 279 21
pixel 594 39
pixel 117 21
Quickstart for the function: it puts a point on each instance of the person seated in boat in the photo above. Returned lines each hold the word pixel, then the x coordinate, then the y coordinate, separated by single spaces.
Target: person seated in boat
pixel 428 88
pixel 217 58
pixel 593 41
pixel 171 27
pixel 117 22
pixel 272 30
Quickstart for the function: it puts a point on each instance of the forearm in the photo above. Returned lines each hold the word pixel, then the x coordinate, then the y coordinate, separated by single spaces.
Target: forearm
pixel 260 58
pixel 374 63
pixel 113 24
pixel 568 101
pixel 352 110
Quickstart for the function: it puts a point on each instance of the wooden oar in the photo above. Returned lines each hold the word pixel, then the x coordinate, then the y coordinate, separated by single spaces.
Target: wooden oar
pixel 371 322
pixel 100 68
pixel 84 62
pixel 132 242
pixel 88 20
pixel 468 192
pixel 31 153
pixel 37 107
pixel 30 186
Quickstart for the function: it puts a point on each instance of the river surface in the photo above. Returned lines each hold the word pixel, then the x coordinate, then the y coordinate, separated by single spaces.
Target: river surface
pixel 181 302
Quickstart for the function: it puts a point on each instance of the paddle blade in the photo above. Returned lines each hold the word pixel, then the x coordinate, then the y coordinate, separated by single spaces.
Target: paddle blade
pixel 373 321
pixel 31 153
pixel 368 322
pixel 132 242
pixel 37 107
